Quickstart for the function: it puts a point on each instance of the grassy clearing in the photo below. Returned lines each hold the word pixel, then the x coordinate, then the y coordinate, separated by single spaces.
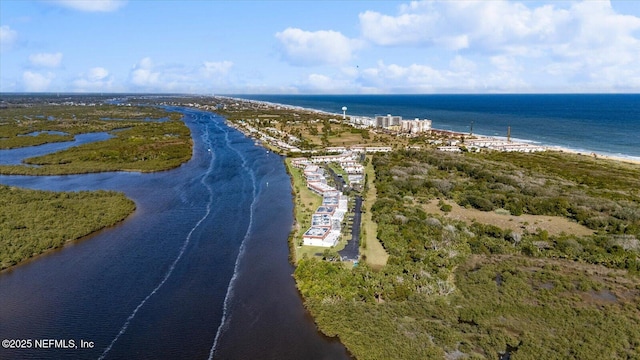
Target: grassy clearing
pixel 373 251
pixel 306 203
pixel 554 225
pixel 347 139
pixel 33 222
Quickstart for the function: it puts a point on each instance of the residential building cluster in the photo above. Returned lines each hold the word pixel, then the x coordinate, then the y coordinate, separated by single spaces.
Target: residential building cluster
pixel 394 122
pixel 387 123
pixel 358 149
pixel 416 126
pixel 347 160
pixel 503 145
pixel 326 221
pixel 267 137
pixel 490 143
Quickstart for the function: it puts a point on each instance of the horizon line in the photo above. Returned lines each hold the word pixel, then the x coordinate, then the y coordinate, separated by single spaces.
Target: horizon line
pixel 73 93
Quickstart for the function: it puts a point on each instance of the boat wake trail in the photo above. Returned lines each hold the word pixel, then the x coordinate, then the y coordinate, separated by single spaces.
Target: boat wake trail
pixel 230 288
pixel 207 141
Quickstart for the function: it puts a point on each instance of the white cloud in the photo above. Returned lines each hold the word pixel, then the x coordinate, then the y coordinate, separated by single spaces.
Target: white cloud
pixel 406 28
pixel 36 82
pixel 97 74
pixel 506 64
pixel 305 48
pixel 462 65
pixel 46 60
pixel 319 83
pixel 142 74
pixel 457 42
pixel 92 5
pixel 322 82
pixel 220 68
pixel 519 43
pixel 603 51
pixel 8 37
pixel 499 25
pixel 480 25
pixel 398 78
pixel 96 79
pixel 500 74
pixel 208 77
pixel 381 78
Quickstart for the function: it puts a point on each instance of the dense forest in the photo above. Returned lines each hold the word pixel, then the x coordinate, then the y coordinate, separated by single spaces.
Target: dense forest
pixel 457 289
pixel 34 221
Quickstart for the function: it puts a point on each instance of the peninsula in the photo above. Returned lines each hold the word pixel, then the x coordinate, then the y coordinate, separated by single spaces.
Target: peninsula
pixel 487 253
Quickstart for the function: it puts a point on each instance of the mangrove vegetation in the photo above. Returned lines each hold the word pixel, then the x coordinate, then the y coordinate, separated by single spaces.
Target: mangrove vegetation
pixel 144 139
pixel 34 221
pixel 456 288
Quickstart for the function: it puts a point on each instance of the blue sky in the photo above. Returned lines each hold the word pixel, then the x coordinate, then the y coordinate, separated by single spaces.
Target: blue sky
pixel 318 47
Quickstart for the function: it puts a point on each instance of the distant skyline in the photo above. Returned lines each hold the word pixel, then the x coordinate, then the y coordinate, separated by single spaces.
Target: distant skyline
pixel 320 47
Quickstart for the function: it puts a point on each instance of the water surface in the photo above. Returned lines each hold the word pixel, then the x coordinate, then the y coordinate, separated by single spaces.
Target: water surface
pixel 602 123
pixel 199 270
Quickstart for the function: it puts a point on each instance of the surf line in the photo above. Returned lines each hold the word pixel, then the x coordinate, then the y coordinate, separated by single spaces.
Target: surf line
pixel 241 251
pixel 207 141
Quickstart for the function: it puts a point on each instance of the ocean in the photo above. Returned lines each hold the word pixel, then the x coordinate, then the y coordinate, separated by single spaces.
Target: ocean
pixel 607 124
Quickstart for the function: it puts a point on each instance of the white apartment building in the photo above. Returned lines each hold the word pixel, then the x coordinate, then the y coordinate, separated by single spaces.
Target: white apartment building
pixel 388 120
pixel 416 126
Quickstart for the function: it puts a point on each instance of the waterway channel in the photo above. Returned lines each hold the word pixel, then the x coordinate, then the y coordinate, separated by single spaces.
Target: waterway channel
pixel 199 271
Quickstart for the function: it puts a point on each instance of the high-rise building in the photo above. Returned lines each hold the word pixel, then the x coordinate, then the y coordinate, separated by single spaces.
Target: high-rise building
pixel 416 126
pixel 389 120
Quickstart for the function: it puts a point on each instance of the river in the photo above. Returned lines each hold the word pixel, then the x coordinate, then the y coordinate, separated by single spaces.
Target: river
pixel 199 271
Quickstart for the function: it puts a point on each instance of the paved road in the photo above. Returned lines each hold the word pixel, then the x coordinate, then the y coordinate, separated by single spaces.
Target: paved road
pixel 352 250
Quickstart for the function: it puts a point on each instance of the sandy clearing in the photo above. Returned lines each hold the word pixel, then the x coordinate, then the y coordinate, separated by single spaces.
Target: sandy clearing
pixel 553 224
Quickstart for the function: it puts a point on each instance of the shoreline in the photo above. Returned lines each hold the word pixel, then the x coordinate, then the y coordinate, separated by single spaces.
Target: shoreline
pixel 630 159
pixel 62 246
pixel 351 330
pixel 622 158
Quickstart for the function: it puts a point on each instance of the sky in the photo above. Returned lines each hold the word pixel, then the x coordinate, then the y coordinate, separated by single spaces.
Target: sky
pixel 319 47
